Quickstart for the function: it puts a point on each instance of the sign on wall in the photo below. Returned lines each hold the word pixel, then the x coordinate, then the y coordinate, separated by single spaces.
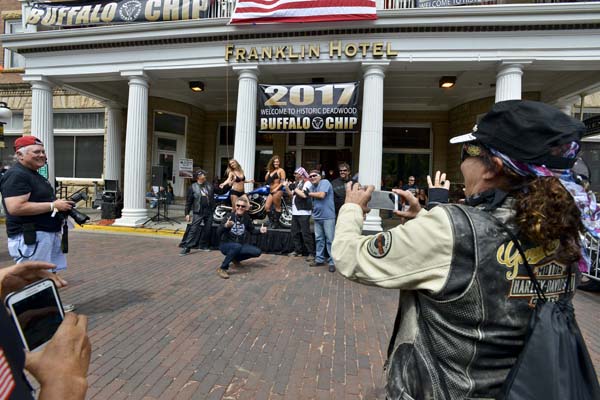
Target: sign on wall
pixel 186 167
pixel 331 107
pixel 446 3
pixel 123 11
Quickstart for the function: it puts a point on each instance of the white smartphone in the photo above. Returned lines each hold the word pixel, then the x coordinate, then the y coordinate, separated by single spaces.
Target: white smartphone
pixel 37 312
pixel 382 200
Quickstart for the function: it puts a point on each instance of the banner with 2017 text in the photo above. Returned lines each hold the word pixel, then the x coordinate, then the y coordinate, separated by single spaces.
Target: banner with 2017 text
pixel 326 107
pixel 108 12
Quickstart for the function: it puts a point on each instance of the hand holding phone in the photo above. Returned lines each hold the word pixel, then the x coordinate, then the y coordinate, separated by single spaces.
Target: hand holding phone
pixel 37 312
pixel 383 200
pixel 61 367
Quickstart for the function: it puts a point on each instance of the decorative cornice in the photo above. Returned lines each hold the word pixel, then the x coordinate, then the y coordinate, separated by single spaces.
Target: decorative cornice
pixel 11 14
pixel 322 32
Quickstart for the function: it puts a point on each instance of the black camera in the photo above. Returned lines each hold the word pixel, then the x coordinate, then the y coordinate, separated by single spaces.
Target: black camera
pixel 78 216
pixel 292 186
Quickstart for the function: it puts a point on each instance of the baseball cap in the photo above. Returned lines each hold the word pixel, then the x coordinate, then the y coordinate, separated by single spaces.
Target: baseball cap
pixel 200 172
pixel 25 141
pixel 527 131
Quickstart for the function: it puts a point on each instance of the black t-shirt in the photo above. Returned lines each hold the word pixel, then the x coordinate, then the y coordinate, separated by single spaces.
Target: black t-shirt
pixel 12 361
pixel 18 181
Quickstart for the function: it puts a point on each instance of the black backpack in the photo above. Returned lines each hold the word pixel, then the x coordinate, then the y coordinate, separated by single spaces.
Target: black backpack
pixel 554 363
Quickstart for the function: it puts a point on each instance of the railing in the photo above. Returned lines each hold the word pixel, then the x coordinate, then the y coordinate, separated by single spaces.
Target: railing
pixel 593 247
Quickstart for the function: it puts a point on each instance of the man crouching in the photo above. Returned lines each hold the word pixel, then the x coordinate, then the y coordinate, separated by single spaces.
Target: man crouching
pixel 233 234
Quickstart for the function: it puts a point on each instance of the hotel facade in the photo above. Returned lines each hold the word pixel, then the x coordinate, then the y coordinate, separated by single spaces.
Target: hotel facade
pixel 112 100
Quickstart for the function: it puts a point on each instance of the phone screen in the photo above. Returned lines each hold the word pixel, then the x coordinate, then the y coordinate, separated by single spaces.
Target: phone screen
pixel 39 317
pixel 381 200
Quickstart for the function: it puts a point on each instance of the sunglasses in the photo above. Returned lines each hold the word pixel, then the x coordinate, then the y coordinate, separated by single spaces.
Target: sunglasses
pixel 240 206
pixel 343 170
pixel 313 176
pixel 470 150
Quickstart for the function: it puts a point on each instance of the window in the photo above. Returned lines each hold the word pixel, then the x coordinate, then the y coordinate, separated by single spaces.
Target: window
pixel 12 59
pixel 7 153
pixel 79 144
pixel 406 137
pixel 320 139
pixel 16 123
pixel 82 120
pixel 169 123
pixel 78 156
pixel 226 135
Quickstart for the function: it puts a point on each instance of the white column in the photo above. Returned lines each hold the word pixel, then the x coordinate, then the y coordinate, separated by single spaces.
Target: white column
pixel 245 121
pixel 42 122
pixel 371 135
pixel 508 82
pixel 114 127
pixel 136 149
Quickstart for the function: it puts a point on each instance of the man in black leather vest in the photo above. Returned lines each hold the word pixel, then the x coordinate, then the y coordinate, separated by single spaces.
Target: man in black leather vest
pixel 200 200
pixel 466 297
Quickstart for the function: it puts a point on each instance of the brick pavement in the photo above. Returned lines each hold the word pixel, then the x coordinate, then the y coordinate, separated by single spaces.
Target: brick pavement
pixel 166 327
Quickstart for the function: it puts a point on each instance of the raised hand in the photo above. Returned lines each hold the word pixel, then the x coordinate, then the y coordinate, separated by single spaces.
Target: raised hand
pixel 439 181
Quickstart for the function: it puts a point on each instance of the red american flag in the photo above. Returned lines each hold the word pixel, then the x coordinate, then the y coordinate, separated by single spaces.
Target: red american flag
pixel 275 11
pixel 7 383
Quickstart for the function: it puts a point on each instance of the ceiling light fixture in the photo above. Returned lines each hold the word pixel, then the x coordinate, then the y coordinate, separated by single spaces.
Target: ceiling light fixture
pixel 446 82
pixel 197 86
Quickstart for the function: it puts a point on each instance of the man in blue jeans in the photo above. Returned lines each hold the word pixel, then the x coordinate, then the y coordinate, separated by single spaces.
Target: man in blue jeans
pixel 233 234
pixel 324 217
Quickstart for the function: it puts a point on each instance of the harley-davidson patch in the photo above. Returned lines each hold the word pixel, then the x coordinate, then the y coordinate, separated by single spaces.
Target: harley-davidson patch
pixel 380 245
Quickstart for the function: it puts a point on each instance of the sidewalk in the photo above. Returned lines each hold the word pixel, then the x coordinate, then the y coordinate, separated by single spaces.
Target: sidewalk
pixel 167 327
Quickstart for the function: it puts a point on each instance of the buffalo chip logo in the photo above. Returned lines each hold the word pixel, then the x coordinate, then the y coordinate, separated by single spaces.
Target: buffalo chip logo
pixel 130 10
pixel 317 123
pixel 380 245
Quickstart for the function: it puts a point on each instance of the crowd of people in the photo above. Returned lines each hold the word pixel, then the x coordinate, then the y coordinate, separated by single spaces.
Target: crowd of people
pixel 466 295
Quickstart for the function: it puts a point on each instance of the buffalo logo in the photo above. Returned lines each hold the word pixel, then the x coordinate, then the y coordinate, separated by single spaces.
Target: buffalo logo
pixel 130 10
pixel 380 245
pixel 317 123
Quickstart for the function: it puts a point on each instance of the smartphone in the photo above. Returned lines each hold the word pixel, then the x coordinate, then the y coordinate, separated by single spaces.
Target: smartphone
pixel 37 312
pixel 382 200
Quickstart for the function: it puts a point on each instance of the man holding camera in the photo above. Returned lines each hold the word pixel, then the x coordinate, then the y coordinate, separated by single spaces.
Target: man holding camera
pixel 32 226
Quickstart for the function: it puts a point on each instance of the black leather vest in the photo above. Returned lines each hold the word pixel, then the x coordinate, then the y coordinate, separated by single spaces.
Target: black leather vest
pixel 302 204
pixel 461 342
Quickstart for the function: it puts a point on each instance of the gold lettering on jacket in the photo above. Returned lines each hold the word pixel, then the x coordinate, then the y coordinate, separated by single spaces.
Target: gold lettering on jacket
pixel 508 255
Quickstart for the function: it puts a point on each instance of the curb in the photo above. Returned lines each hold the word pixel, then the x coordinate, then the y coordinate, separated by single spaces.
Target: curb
pixel 133 230
pixel 124 229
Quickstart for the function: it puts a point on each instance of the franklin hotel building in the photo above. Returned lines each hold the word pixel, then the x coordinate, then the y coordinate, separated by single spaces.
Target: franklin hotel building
pixel 115 88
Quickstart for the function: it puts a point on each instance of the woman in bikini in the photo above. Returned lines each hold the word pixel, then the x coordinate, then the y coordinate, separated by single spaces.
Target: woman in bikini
pixel 235 178
pixel 274 178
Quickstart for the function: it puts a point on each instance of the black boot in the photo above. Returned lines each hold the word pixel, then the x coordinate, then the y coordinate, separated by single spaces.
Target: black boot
pixel 271 219
pixel 276 216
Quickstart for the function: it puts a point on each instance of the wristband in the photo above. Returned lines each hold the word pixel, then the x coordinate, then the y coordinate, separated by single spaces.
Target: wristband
pixel 51 206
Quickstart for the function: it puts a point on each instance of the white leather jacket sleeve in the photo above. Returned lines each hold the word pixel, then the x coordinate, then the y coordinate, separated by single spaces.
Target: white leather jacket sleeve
pixel 413 256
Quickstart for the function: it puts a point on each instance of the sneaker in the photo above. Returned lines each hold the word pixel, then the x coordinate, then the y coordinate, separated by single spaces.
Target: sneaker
pixel 316 264
pixel 184 251
pixel 68 307
pixel 310 258
pixel 222 273
pixel 331 268
pixel 294 254
pixel 236 264
pixel 204 249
